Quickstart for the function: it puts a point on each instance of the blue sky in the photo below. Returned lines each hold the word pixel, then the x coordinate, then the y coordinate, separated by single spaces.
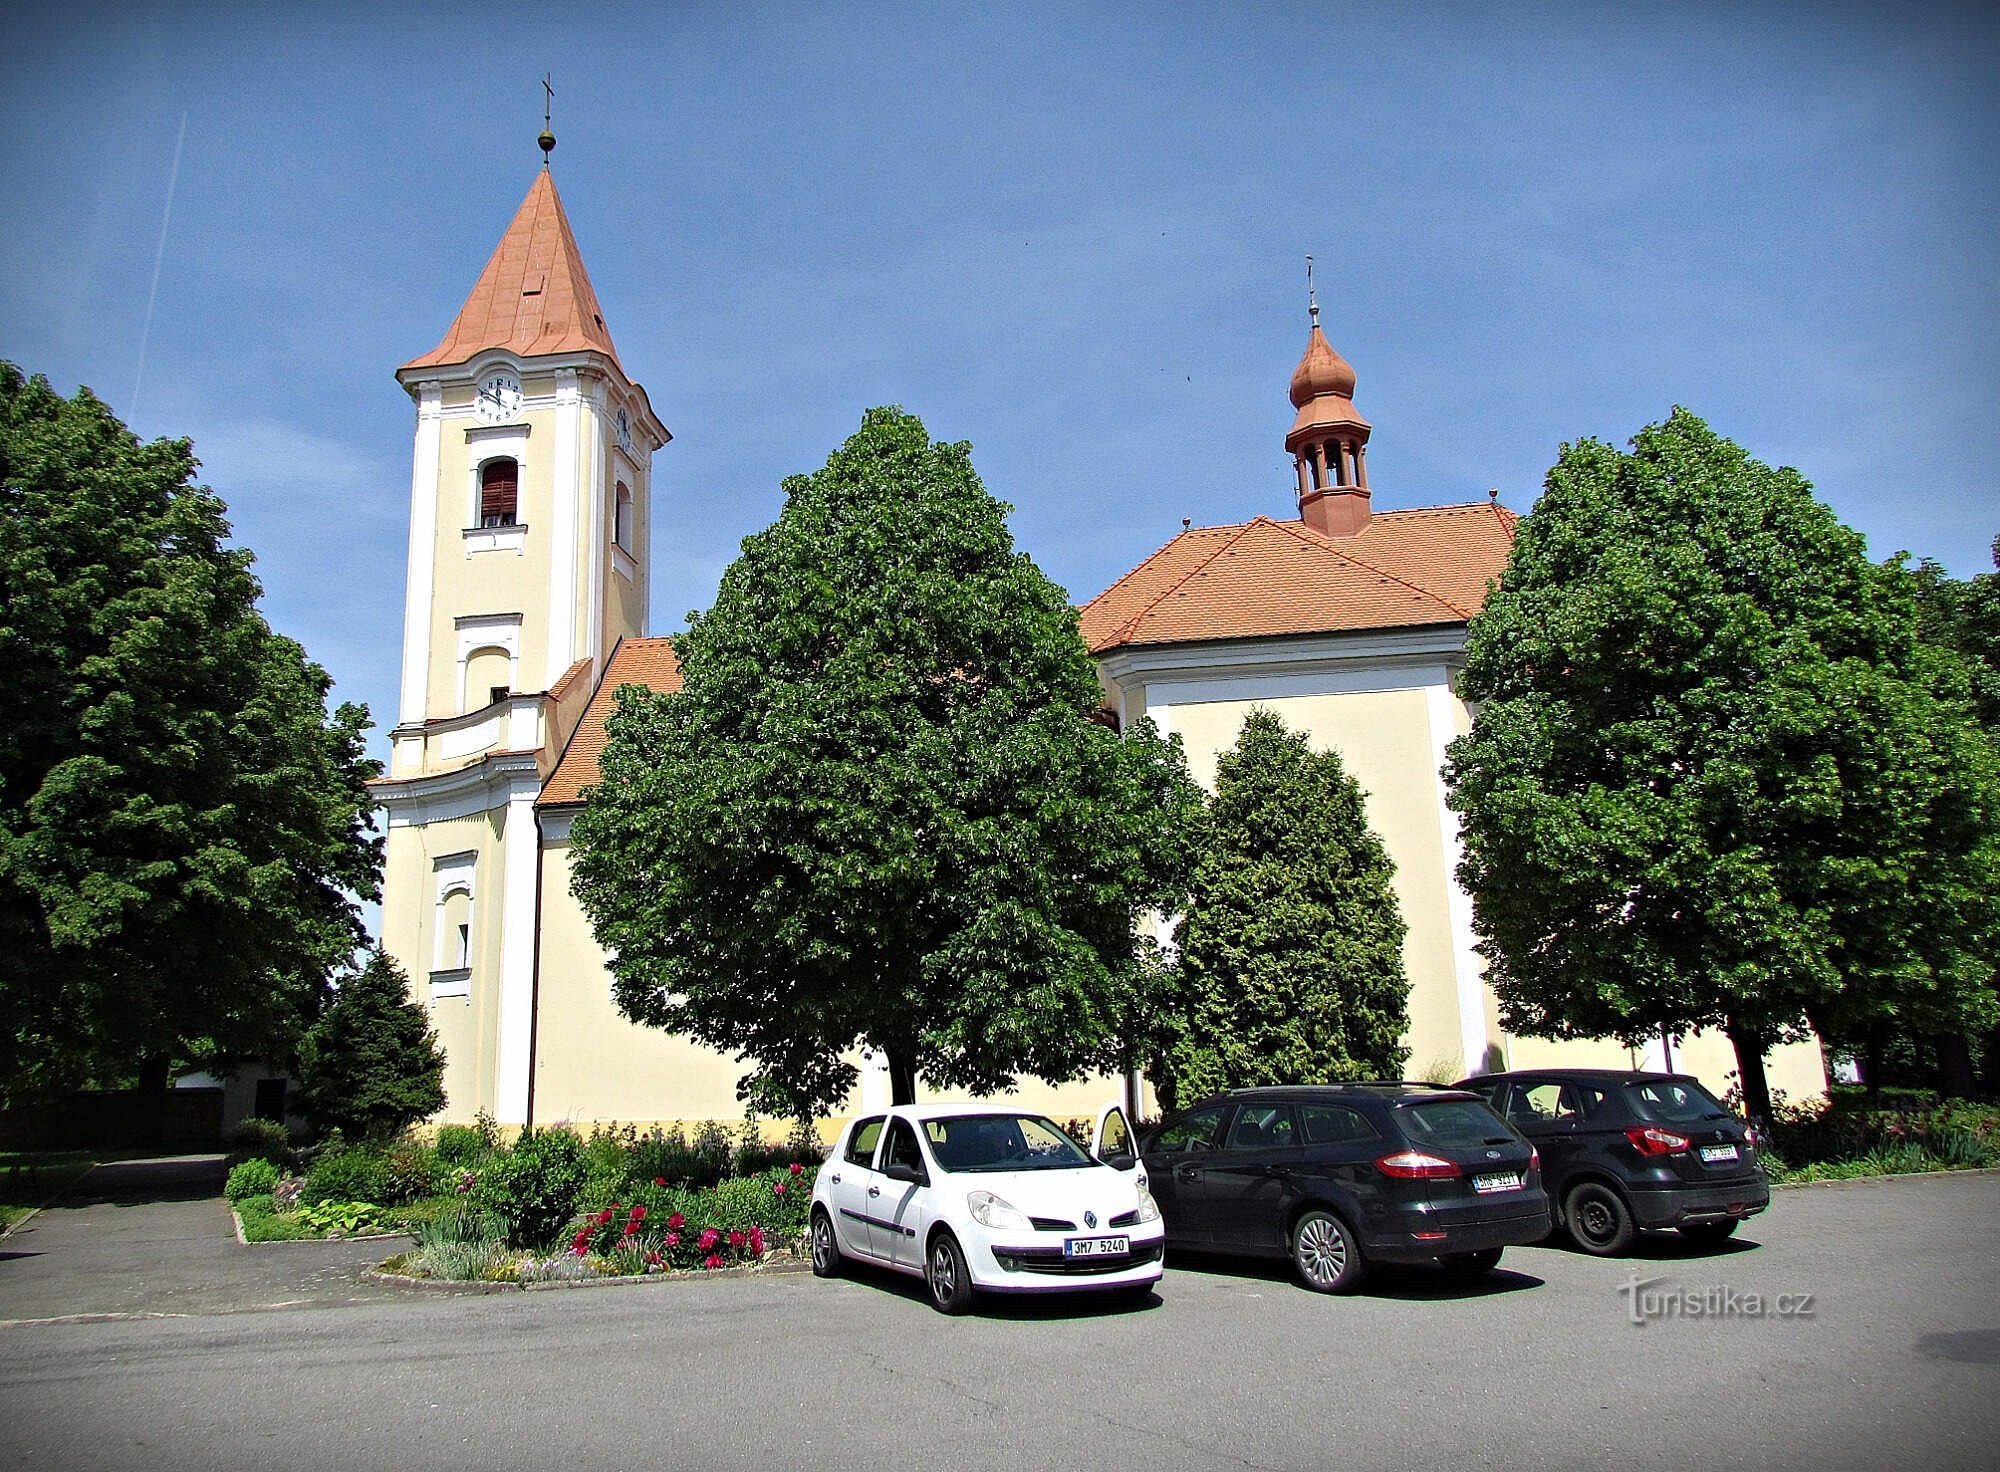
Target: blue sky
pixel 1072 235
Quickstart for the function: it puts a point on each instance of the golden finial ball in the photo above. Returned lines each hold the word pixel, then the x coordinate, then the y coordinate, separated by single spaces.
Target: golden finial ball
pixel 547 140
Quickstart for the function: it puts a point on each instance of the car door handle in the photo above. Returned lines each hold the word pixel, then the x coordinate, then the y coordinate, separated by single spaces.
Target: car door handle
pixel 1188 1173
pixel 835 1178
pixel 1278 1172
pixel 874 1190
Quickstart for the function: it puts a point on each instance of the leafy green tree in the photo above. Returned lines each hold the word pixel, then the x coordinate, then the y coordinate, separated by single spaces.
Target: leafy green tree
pixel 183 828
pixel 882 809
pixel 1717 778
pixel 371 1066
pixel 1291 949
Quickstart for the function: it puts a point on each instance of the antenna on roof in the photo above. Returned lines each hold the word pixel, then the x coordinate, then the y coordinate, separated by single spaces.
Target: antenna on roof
pixel 548 139
pixel 1312 300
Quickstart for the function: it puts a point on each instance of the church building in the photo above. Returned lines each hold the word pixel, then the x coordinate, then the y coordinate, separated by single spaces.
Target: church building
pixel 531 515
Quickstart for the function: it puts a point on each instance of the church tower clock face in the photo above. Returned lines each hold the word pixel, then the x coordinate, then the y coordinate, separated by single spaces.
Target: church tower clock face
pixel 499 397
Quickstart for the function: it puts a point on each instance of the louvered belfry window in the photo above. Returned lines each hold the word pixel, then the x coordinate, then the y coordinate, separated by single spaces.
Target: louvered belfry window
pixel 499 493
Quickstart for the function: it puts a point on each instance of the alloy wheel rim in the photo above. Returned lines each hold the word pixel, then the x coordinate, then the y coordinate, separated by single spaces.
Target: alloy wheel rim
pixel 944 1273
pixel 821 1234
pixel 1322 1253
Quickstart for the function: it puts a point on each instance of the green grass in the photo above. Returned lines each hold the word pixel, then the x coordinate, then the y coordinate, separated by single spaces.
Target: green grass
pixel 28 1178
pixel 261 1224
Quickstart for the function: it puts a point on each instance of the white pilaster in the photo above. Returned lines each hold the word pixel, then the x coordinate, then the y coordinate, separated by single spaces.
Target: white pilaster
pixel 596 526
pixel 518 856
pixel 562 547
pixel 423 553
pixel 1466 968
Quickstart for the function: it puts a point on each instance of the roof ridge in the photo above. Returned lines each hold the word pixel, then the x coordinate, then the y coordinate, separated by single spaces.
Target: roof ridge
pixel 1300 529
pixel 1186 531
pixel 1125 629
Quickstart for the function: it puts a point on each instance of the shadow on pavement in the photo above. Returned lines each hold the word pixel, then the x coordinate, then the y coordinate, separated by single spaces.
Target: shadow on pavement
pixel 1032 1306
pixel 1410 1282
pixel 141 1182
pixel 1655 1247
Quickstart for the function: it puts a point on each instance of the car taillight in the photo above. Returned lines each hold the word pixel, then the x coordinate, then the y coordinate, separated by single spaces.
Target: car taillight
pixel 1750 1136
pixel 1415 1165
pixel 1534 1158
pixel 1651 1140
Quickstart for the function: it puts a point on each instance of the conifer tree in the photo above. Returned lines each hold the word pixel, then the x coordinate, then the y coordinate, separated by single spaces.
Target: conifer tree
pixel 1291 960
pixel 371 1066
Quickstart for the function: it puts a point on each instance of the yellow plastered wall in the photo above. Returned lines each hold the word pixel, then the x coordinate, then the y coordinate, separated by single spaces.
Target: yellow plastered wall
pixel 468 1026
pixel 1796 1070
pixel 1383 737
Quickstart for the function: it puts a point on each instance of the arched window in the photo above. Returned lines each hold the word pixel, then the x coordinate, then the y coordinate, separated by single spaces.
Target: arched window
pixel 621 518
pixel 499 492
pixel 489 676
pixel 454 941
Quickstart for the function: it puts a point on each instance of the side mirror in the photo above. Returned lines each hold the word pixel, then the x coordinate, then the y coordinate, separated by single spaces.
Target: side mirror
pixel 909 1175
pixel 1119 1160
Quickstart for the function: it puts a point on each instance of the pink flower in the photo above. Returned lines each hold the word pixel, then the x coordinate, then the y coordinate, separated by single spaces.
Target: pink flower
pixel 673 1239
pixel 714 1261
pixel 638 1214
pixel 659 1180
pixel 779 1188
pixel 797 1169
pixel 757 1240
pixel 737 1239
pixel 676 1221
pixel 708 1239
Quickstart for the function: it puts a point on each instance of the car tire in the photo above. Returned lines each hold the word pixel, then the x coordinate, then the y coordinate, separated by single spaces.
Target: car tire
pixel 1324 1253
pixel 946 1275
pixel 1708 1234
pixel 1472 1264
pixel 826 1259
pixel 1599 1221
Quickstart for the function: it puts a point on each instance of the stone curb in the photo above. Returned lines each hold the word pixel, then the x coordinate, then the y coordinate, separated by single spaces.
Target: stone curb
pixel 435 1285
pixel 1906 1175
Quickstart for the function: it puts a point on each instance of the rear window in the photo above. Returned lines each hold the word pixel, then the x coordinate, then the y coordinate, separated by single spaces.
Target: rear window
pixel 1451 1122
pixel 1673 1101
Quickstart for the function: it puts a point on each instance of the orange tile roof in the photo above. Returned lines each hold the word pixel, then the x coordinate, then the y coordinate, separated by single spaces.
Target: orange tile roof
pixel 1274 579
pixel 648 662
pixel 534 295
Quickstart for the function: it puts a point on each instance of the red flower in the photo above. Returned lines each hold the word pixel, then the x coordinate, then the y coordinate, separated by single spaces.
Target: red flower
pixel 714 1261
pixel 708 1239
pixel 737 1239
pixel 676 1221
pixel 779 1188
pixel 673 1239
pixel 638 1214
pixel 797 1169
pixel 757 1240
pixel 659 1180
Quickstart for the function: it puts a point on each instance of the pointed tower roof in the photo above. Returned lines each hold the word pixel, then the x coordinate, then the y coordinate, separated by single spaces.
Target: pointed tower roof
pixel 534 296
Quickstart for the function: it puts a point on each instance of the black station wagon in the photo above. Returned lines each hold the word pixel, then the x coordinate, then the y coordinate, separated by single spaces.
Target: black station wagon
pixel 1623 1151
pixel 1337 1176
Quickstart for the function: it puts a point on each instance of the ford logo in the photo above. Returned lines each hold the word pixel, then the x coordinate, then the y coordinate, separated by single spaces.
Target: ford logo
pixel 1090 1218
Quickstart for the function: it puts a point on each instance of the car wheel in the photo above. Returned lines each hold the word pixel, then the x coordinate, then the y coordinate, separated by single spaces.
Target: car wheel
pixel 945 1272
pixel 1472 1264
pixel 1599 1220
pixel 1324 1253
pixel 825 1247
pixel 1709 1232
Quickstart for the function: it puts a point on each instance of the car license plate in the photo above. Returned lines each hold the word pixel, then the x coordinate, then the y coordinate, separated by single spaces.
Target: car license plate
pixel 1499 1180
pixel 1096 1246
pixel 1718 1152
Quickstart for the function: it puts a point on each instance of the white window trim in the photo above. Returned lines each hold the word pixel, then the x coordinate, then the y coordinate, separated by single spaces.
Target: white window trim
pixel 488 631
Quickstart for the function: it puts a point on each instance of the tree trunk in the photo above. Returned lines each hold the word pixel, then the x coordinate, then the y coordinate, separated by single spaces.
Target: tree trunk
pixel 902 1075
pixel 1871 1066
pixel 1750 1071
pixel 1954 1058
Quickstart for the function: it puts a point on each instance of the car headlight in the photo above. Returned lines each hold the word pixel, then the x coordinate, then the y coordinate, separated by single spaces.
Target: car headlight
pixel 991 1211
pixel 1149 1209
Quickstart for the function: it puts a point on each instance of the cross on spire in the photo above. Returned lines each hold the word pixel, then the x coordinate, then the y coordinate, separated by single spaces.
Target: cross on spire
pixel 547 139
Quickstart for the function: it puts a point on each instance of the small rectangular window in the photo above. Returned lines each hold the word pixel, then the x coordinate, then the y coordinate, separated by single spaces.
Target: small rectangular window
pixel 499 493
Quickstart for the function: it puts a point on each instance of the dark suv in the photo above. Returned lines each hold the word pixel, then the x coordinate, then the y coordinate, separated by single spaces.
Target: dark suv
pixel 1622 1151
pixel 1336 1176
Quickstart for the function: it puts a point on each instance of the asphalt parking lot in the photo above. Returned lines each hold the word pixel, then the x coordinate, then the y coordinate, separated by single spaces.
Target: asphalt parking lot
pixel 1894 1360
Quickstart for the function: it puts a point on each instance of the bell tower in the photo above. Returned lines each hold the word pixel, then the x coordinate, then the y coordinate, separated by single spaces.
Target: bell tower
pixel 530 524
pixel 1328 440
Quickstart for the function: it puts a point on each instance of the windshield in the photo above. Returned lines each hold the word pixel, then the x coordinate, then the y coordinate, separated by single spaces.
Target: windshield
pixel 997 1142
pixel 1673 1101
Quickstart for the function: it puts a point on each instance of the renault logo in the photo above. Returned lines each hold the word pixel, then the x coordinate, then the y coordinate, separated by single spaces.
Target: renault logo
pixel 1090 1218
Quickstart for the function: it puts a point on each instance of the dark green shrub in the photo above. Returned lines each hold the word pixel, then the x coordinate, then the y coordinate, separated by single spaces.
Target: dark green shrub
pixel 409 1173
pixel 535 1187
pixel 350 1173
pixel 371 1065
pixel 261 1139
pixel 251 1178
pixel 462 1145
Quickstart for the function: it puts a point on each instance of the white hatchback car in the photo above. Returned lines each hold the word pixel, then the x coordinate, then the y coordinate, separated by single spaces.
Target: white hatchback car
pixel 987 1197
